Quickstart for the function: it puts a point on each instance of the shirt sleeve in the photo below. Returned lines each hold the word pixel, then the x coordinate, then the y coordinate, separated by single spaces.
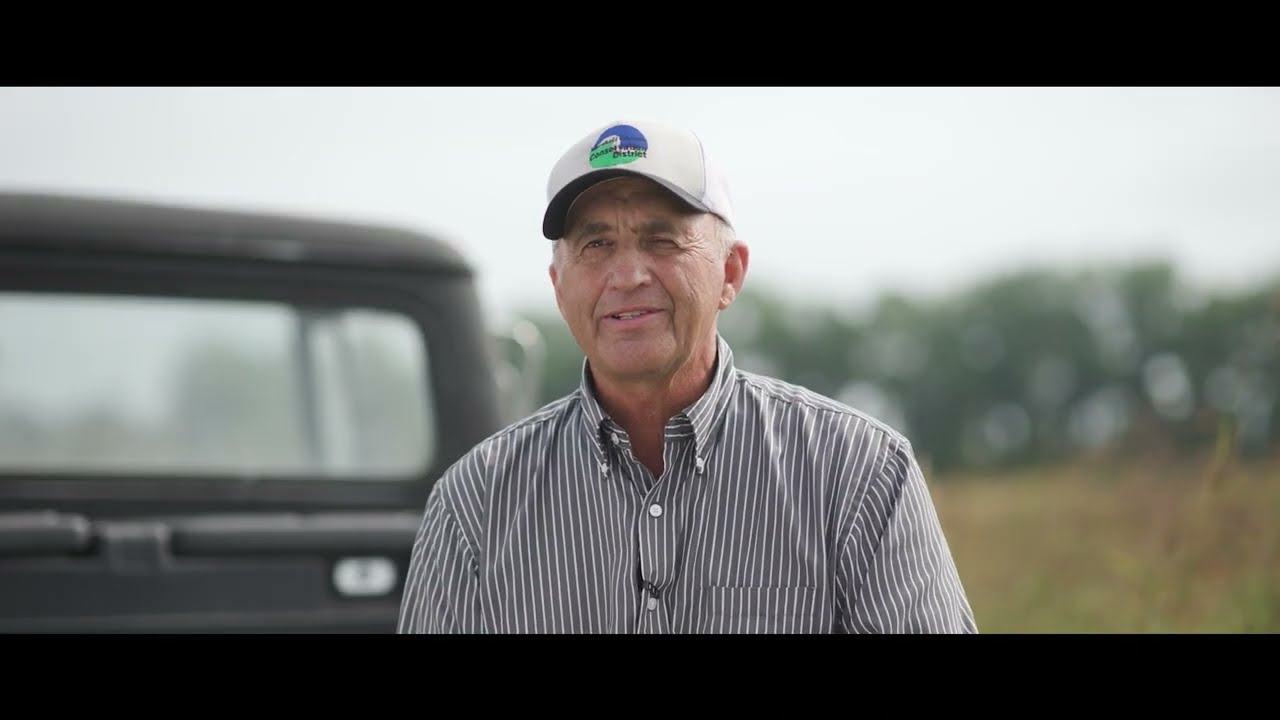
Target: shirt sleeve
pixel 896 573
pixel 441 593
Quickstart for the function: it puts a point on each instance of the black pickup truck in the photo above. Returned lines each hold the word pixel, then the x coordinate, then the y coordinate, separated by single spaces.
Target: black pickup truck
pixel 218 421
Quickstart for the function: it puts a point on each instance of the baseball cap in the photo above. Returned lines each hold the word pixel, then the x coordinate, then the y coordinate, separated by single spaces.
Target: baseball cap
pixel 671 156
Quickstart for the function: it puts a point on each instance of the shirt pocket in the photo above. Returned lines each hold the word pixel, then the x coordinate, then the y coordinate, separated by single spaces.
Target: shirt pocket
pixel 752 610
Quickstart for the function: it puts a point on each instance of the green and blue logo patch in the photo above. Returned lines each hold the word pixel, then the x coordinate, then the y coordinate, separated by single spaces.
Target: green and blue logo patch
pixel 619 145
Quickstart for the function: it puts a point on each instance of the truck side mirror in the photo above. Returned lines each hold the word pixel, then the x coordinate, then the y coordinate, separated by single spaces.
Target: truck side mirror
pixel 521 361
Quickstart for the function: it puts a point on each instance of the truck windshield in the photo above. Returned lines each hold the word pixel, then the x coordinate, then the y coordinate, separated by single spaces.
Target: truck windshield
pixel 120 384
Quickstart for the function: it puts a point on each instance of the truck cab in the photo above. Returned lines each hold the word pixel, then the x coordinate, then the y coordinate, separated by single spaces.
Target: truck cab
pixel 225 421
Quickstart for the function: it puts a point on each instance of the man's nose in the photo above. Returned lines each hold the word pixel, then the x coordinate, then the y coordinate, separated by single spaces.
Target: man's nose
pixel 630 269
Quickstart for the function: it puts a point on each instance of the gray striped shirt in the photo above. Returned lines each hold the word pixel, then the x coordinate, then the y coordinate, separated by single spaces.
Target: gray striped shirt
pixel 779 510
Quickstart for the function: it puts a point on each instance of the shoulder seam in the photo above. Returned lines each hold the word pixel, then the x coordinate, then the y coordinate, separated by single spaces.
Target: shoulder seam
pixel 830 406
pixel 545 414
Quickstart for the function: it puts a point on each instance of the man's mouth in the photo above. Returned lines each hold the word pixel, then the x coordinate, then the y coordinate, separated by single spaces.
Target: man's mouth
pixel 631 314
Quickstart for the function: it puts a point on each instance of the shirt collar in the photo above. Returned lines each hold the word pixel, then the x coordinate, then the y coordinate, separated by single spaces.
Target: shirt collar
pixel 705 416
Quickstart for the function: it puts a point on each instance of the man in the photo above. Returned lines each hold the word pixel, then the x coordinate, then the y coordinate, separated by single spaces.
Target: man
pixel 672 491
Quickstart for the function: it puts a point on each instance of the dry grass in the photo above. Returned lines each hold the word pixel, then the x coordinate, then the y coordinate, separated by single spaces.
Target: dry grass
pixel 1100 547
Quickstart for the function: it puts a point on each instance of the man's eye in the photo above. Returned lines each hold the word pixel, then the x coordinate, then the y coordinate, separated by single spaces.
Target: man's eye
pixel 593 244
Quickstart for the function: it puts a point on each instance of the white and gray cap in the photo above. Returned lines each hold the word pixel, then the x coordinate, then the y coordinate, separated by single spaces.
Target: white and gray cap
pixel 673 157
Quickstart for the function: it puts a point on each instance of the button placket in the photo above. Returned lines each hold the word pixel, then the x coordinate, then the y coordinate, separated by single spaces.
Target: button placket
pixel 656 568
pixel 659 541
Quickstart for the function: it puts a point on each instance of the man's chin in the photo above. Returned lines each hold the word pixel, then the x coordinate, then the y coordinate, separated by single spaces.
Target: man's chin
pixel 633 366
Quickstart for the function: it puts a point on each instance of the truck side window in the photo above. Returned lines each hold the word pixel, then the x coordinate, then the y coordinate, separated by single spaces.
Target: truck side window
pixel 177 385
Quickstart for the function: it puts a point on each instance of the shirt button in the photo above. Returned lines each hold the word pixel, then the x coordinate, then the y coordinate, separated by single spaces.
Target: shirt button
pixel 616 439
pixel 655 510
pixel 652 604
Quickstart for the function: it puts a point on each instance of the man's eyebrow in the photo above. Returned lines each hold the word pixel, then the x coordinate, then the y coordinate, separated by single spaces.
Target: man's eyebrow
pixel 591 228
pixel 659 225
pixel 649 227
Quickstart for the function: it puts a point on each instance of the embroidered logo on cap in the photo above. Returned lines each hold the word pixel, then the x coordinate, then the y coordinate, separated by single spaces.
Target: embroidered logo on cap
pixel 618 145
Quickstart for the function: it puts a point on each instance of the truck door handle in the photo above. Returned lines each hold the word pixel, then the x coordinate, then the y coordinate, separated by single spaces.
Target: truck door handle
pixel 39 533
pixel 345 533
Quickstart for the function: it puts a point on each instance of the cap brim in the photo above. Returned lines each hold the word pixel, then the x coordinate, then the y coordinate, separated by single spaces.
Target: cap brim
pixel 553 220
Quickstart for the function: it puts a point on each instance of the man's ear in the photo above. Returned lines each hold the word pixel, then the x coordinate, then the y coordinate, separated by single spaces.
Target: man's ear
pixel 735 273
pixel 554 273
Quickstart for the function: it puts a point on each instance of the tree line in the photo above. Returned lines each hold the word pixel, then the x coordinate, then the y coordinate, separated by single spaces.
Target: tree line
pixel 1027 367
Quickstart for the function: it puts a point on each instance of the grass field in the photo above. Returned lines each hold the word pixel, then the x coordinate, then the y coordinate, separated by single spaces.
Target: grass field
pixel 1100 547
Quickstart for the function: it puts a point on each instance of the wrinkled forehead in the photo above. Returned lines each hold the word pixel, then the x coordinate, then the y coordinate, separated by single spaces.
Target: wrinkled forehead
pixel 613 194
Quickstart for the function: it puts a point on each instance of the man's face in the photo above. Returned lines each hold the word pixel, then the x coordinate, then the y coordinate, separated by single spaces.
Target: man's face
pixel 640 278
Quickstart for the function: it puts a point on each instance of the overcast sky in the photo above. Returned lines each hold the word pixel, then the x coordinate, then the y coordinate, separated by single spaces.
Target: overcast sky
pixel 839 192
